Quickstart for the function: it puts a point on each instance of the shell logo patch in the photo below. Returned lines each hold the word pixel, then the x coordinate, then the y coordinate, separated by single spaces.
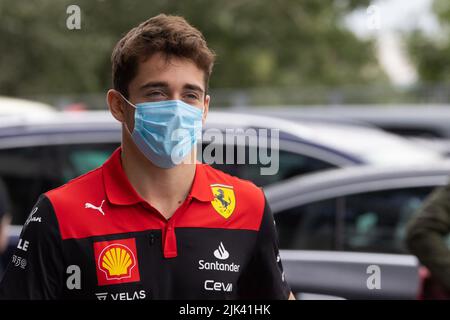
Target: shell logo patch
pixel 116 261
pixel 224 199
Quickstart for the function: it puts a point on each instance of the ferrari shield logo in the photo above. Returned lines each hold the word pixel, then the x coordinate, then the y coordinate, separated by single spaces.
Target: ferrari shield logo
pixel 224 200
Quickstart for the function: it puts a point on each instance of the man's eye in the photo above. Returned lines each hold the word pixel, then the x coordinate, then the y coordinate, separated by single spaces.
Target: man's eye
pixel 155 94
pixel 192 96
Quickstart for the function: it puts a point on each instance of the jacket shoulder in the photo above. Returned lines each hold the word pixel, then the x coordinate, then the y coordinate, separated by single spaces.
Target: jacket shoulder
pixel 88 184
pixel 69 202
pixel 249 199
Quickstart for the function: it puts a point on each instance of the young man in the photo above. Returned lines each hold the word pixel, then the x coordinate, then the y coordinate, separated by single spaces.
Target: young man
pixel 151 223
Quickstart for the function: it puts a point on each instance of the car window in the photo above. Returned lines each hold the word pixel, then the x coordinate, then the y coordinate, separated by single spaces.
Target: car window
pixel 81 158
pixel 27 172
pixel 376 221
pixel 308 227
pixel 31 171
pixel 290 164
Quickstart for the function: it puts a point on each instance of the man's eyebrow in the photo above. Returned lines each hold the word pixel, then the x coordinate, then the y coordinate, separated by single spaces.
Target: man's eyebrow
pixel 150 85
pixel 193 87
pixel 162 84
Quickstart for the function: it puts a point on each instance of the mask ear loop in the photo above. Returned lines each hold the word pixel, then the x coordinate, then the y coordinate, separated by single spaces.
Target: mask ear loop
pixel 131 104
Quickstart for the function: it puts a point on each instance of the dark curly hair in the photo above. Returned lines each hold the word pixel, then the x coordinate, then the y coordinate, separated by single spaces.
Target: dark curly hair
pixel 169 35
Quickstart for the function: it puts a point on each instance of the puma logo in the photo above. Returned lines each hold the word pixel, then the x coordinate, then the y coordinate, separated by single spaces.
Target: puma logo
pixel 88 205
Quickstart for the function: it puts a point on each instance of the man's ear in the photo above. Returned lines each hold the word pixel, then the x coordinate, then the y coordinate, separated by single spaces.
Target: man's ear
pixel 206 105
pixel 116 105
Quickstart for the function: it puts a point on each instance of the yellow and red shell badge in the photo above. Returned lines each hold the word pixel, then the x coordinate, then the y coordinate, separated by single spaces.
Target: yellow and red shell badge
pixel 116 261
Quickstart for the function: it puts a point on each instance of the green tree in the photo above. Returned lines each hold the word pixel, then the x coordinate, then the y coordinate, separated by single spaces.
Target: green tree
pixel 259 43
pixel 431 54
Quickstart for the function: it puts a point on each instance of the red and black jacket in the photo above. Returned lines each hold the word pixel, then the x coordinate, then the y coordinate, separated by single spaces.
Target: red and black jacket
pixel 96 238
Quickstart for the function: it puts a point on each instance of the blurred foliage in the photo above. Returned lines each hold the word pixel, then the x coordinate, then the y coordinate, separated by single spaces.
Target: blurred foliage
pixel 259 43
pixel 431 55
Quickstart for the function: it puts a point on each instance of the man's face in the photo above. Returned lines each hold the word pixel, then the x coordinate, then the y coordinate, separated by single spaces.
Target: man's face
pixel 159 78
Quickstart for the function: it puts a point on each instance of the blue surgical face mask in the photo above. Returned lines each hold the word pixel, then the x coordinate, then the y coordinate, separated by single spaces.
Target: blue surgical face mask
pixel 166 131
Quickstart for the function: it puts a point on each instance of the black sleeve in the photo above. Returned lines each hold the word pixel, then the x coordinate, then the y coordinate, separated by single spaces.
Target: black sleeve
pixel 263 278
pixel 35 271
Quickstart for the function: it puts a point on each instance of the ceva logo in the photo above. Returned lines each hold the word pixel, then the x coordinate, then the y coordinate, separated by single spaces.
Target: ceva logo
pixel 212 285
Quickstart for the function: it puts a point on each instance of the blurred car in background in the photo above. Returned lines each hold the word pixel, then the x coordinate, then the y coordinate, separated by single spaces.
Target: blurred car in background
pixel 336 224
pixel 41 153
pixel 38 154
pixel 426 125
pixel 310 146
pixel 11 108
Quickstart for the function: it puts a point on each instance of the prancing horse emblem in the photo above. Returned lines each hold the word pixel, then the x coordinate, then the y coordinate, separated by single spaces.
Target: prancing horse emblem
pixel 224 199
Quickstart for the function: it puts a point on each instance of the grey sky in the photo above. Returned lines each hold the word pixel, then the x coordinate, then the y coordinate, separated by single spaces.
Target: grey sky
pixel 385 20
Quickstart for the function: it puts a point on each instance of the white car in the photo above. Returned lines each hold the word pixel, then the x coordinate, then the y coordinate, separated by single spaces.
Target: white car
pixel 335 226
pixel 13 108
